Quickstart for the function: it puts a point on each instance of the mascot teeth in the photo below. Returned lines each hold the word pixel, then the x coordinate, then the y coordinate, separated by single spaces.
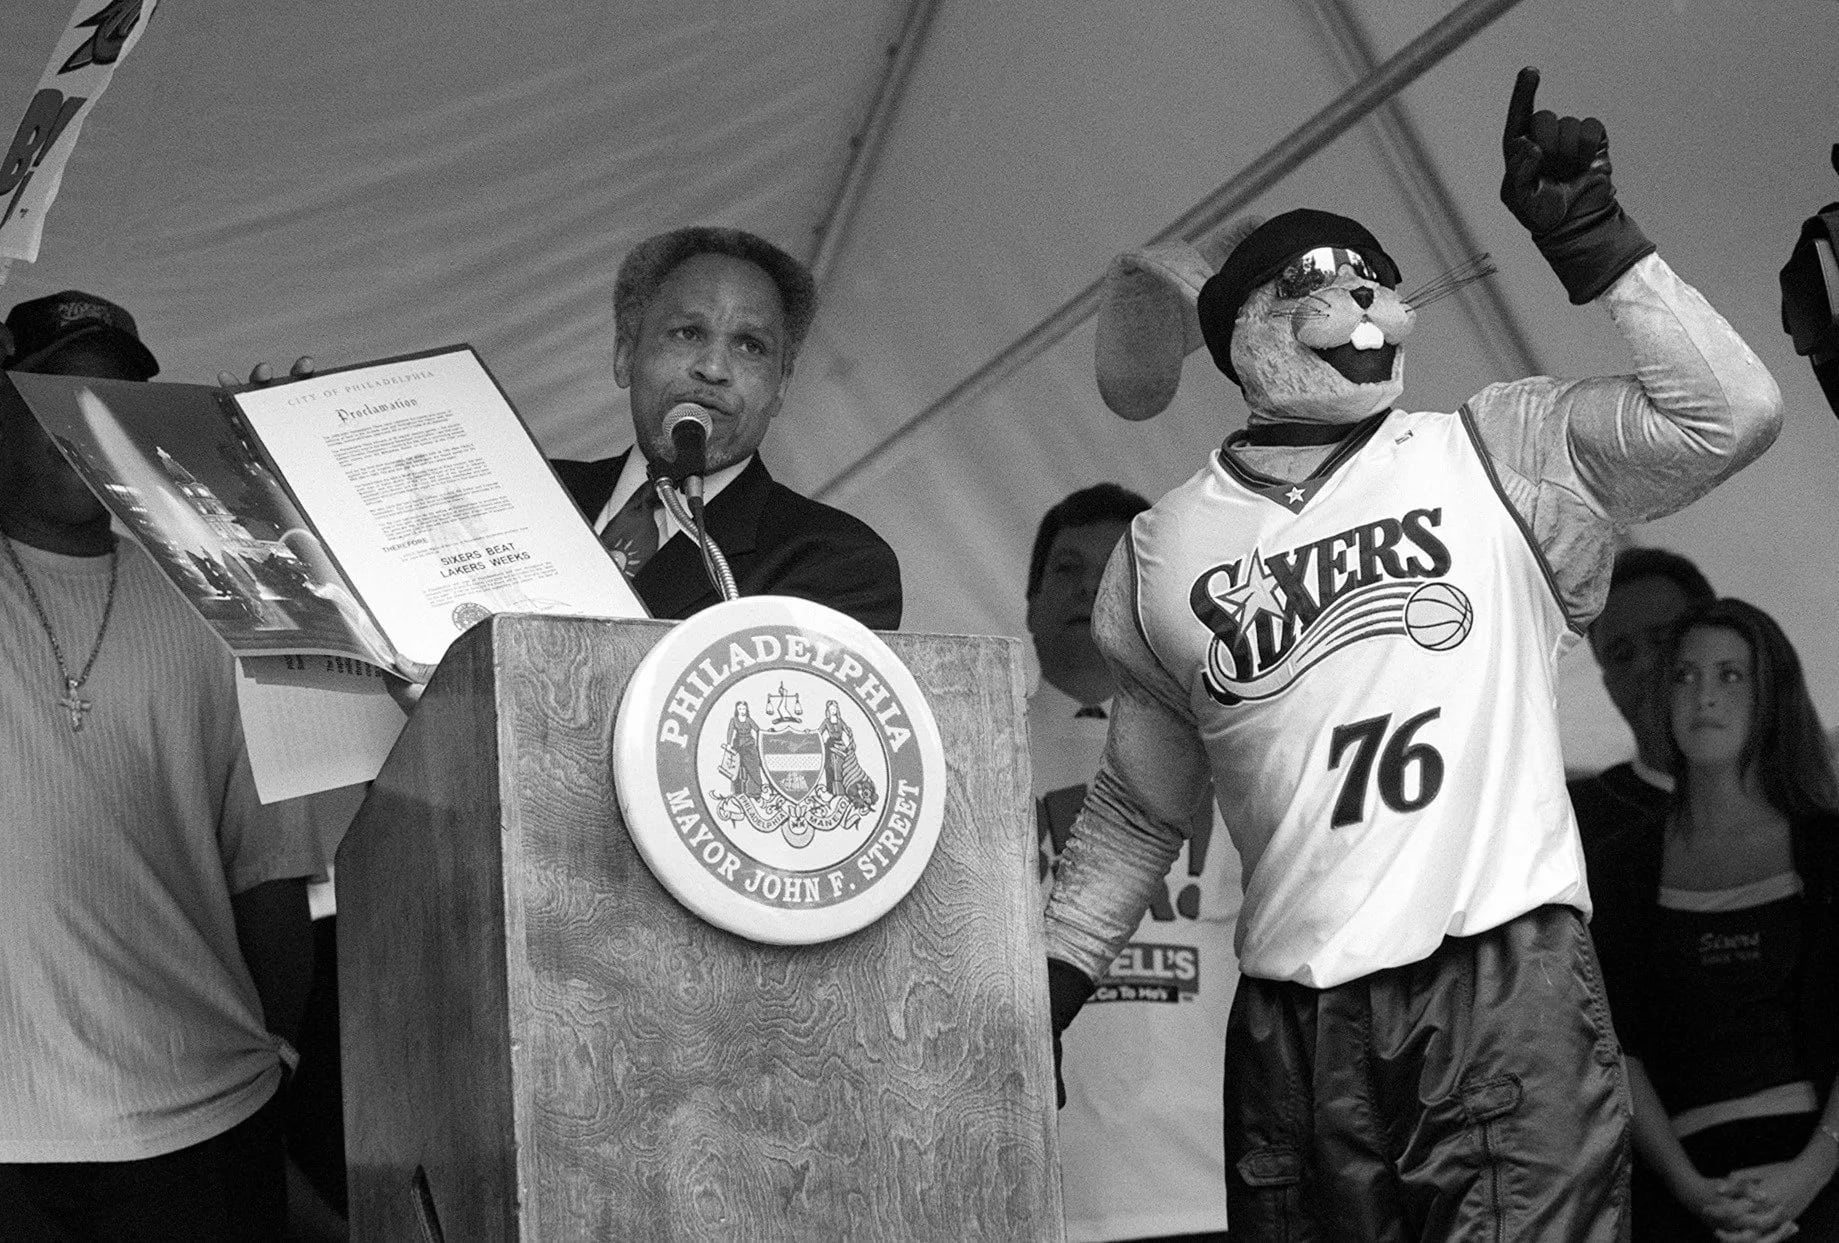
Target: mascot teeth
pixel 1367 336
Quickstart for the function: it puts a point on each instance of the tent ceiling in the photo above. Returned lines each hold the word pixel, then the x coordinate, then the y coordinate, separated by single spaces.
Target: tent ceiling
pixel 356 180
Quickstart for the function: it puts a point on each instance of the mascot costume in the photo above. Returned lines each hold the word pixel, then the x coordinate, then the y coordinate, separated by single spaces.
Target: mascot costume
pixel 1347 625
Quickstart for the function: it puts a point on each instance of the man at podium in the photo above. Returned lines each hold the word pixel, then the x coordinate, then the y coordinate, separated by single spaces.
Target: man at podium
pixel 714 318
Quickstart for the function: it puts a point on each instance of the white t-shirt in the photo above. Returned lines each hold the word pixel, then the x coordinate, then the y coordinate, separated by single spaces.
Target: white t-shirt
pixel 130 1024
pixel 1141 1151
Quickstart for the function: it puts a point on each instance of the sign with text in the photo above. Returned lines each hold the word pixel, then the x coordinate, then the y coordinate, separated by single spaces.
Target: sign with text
pixel 99 34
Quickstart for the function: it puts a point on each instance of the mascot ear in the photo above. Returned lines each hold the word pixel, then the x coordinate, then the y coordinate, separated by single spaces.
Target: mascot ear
pixel 1147 325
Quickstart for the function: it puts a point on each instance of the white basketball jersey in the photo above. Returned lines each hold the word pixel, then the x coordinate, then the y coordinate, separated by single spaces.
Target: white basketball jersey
pixel 1371 658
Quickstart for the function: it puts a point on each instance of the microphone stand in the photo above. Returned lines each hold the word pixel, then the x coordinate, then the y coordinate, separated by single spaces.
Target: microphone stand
pixel 689 517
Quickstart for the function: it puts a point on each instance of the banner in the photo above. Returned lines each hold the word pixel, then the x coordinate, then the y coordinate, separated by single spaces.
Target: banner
pixel 99 34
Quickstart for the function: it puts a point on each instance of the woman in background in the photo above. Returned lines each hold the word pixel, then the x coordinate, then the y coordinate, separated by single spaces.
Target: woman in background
pixel 1720 948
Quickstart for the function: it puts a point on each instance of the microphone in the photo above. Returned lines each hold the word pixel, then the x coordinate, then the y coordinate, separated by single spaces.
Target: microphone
pixel 687 427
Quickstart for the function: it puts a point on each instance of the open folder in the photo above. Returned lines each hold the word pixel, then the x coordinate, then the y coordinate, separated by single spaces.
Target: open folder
pixel 330 527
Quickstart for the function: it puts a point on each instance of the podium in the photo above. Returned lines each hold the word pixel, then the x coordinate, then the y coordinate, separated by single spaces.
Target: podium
pixel 541 1043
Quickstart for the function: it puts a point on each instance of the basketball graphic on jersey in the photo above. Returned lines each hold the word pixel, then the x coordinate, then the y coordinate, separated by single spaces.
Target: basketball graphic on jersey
pixel 1438 616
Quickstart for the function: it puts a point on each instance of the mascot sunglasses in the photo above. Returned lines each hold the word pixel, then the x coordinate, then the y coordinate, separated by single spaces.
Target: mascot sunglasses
pixel 1318 268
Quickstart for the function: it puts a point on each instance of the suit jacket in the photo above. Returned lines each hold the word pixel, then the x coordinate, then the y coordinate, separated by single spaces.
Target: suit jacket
pixel 776 541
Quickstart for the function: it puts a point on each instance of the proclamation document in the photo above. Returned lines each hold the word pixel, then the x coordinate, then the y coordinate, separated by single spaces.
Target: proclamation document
pixel 427 491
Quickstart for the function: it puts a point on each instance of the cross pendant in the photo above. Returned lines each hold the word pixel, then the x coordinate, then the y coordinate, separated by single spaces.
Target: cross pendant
pixel 74 704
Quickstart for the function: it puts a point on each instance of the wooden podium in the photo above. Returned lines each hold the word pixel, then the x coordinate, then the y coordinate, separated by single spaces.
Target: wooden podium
pixel 541 1043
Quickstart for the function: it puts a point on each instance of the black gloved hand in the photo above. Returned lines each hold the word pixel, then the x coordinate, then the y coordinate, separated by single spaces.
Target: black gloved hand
pixel 1067 990
pixel 1558 185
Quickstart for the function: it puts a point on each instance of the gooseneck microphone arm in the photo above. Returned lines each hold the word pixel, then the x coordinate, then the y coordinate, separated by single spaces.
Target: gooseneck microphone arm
pixel 713 562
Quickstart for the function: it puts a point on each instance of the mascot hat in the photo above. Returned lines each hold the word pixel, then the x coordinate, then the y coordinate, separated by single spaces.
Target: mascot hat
pixel 1264 253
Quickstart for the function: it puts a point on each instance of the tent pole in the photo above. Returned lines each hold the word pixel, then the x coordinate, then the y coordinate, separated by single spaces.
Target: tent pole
pixel 1427 196
pixel 1410 62
pixel 866 144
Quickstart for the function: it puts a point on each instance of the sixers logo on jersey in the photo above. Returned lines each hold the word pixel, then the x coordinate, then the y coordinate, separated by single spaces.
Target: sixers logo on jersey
pixel 1276 616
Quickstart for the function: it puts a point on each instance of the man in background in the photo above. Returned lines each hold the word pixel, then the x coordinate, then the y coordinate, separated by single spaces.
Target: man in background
pixel 1649 588
pixel 154 919
pixel 713 319
pixel 1140 1133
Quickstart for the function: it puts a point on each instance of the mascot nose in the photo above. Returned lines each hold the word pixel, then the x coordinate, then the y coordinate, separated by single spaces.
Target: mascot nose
pixel 1363 298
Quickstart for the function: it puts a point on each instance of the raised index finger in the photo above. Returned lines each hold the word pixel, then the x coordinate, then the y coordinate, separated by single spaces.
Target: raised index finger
pixel 1520 107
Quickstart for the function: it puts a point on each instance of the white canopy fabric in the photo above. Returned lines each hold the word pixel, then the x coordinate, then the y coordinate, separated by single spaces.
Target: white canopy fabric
pixel 358 180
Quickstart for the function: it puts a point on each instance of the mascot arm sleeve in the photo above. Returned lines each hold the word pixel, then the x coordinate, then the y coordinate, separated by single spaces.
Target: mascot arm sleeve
pixel 1700 407
pixel 1577 459
pixel 1152 783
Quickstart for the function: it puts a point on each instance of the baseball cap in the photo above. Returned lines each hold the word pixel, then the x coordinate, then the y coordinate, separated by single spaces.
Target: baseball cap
pixel 41 326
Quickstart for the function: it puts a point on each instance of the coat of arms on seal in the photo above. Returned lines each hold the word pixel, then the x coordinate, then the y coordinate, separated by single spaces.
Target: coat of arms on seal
pixel 779 769
pixel 790 779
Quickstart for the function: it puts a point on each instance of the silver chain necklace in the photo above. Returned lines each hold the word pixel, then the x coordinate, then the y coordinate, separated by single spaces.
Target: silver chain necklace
pixel 71 702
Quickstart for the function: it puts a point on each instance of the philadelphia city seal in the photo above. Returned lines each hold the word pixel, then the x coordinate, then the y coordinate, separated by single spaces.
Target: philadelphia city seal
pixel 779 770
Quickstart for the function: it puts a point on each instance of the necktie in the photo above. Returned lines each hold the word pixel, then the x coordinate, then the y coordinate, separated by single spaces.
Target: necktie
pixel 632 536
